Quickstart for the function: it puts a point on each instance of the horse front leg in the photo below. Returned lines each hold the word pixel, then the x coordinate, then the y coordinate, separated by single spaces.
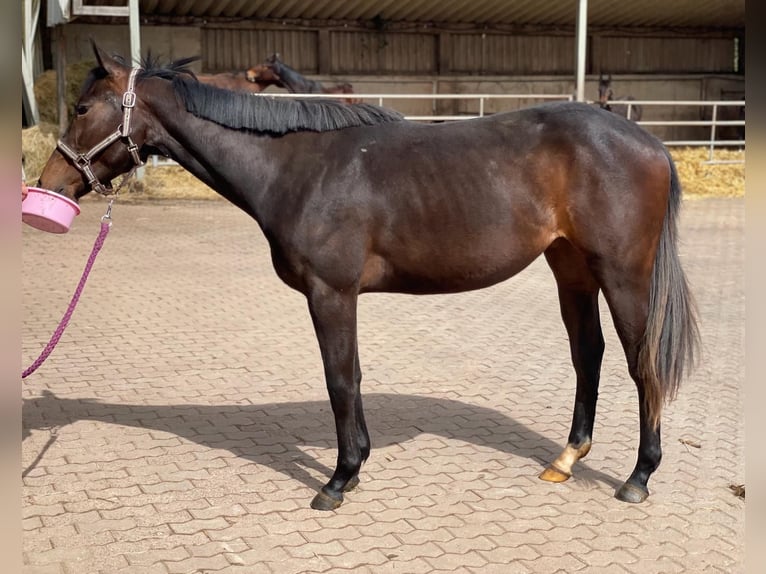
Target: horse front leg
pixel 361 425
pixel 334 318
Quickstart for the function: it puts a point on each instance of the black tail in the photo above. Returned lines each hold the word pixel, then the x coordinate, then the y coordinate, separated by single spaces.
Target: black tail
pixel 671 341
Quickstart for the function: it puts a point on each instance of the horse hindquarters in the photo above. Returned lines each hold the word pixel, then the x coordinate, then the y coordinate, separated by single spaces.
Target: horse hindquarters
pixel 653 314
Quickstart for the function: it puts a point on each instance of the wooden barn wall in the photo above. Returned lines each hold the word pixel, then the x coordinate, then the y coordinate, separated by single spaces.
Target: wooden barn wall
pixel 453 62
pixel 504 54
pixel 226 49
pixel 631 55
pixel 364 52
pixel 432 52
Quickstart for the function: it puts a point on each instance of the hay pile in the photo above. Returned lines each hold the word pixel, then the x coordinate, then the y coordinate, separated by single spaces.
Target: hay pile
pixel 699 179
pixel 171 182
pixel 702 179
pixel 37 144
pixel 45 90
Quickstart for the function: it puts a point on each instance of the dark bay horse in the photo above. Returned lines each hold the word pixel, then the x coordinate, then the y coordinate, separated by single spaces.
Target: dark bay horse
pixel 354 199
pixel 619 105
pixel 296 83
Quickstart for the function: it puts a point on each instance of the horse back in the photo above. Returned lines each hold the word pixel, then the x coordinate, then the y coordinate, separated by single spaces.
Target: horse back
pixel 448 207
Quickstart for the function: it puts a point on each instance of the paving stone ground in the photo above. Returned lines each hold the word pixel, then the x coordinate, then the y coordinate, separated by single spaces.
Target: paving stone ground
pixel 182 424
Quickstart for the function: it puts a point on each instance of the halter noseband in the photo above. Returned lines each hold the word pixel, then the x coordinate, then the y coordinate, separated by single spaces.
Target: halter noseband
pixel 82 161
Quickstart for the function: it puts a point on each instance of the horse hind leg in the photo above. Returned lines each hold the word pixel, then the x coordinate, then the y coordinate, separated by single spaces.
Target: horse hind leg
pixel 578 299
pixel 627 303
pixel 655 318
pixel 626 294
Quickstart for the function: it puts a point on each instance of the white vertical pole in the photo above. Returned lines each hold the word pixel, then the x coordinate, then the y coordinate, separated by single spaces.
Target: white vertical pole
pixel 135 31
pixel 135 48
pixel 582 37
pixel 30 19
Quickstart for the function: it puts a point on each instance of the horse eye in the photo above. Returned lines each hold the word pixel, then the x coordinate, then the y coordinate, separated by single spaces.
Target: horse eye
pixel 80 110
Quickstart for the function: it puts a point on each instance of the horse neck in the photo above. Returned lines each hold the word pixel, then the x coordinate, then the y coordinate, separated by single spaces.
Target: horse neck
pixel 185 138
pixel 294 81
pixel 265 83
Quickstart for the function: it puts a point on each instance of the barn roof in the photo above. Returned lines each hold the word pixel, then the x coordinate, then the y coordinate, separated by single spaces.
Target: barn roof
pixel 606 13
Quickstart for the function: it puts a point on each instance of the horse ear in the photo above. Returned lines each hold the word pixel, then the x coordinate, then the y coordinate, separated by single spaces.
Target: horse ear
pixel 107 62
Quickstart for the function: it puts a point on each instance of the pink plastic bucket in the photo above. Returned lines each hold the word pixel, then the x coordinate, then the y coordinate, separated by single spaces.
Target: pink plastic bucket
pixel 48 211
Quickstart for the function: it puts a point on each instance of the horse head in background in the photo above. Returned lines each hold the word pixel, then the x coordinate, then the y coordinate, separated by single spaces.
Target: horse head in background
pixel 240 81
pixel 263 74
pixel 606 100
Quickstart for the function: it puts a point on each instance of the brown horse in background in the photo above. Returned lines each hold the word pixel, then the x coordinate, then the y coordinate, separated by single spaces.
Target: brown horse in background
pixel 355 199
pixel 255 79
pixel 619 105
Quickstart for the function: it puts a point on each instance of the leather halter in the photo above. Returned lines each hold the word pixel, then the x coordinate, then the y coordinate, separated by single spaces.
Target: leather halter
pixel 82 161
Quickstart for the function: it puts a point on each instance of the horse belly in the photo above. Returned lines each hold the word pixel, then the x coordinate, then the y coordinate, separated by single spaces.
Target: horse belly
pixel 450 261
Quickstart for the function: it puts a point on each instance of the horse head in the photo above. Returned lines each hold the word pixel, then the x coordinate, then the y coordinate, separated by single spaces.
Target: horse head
pixel 262 74
pixel 105 135
pixel 605 92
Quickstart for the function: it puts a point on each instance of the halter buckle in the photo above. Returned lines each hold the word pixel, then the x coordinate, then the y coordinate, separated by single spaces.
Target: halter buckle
pixel 129 99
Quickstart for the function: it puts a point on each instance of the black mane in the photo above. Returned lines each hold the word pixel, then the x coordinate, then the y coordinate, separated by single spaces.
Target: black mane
pixel 243 111
pixel 261 113
pixel 151 67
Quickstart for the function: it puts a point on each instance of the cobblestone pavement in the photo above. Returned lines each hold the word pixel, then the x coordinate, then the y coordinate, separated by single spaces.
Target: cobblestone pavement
pixel 182 424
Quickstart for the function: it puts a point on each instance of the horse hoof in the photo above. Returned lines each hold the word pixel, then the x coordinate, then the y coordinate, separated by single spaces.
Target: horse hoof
pixel 631 493
pixel 323 501
pixel 552 474
pixel 351 484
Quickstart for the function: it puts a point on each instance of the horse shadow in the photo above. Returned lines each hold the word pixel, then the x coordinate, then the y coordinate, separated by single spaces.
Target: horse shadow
pixel 272 434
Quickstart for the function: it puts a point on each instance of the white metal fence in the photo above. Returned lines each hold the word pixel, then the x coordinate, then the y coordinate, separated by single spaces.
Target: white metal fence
pixel 714 123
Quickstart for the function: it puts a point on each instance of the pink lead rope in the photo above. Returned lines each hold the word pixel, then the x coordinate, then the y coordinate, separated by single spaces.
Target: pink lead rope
pixel 106 223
